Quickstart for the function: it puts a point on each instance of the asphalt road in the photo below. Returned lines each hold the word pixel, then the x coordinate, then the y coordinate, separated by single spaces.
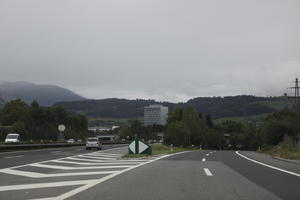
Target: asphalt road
pixel 192 175
pixel 10 159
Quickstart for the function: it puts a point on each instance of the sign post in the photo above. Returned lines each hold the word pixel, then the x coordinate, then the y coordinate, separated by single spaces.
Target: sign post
pixel 139 147
pixel 61 135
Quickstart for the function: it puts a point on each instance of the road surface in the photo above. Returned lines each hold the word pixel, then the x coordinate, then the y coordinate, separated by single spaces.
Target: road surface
pixel 190 175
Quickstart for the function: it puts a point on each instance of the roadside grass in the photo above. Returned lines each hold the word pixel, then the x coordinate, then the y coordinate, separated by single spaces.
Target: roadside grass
pixel 161 149
pixel 282 151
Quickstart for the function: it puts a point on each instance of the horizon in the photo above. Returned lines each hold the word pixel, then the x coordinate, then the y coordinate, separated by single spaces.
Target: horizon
pixel 166 50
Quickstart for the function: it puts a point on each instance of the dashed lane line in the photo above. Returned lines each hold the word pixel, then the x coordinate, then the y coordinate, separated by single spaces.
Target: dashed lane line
pixel 9 157
pixel 207 172
pixel 203 159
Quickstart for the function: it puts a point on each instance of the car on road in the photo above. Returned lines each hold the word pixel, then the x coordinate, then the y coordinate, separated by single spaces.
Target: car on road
pixel 93 142
pixel 12 138
pixel 70 141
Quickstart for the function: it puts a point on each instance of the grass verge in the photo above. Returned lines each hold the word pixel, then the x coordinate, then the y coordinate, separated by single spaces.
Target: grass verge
pixel 161 149
pixel 282 151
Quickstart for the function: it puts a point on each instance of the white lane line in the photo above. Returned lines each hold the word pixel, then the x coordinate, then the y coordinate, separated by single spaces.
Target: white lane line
pixel 103 163
pixel 211 152
pixel 266 165
pixel 207 154
pixel 40 175
pixel 207 172
pixel 9 157
pixel 203 159
pixel 74 168
pixel 45 185
pixel 56 152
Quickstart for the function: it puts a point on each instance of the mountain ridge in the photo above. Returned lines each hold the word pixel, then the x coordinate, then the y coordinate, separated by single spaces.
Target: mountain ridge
pixel 44 94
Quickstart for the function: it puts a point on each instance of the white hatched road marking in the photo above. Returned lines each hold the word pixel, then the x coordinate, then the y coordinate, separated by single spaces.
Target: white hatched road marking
pixel 102 163
pixel 74 168
pixel 105 154
pixel 83 184
pixel 44 185
pixel 96 157
pixel 41 175
pixel 207 172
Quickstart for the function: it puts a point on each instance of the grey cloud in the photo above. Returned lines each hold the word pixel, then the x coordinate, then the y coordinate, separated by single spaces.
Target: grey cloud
pixel 163 49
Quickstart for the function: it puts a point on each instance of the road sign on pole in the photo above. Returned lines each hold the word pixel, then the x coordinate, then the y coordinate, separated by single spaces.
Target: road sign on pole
pixel 139 147
pixel 61 136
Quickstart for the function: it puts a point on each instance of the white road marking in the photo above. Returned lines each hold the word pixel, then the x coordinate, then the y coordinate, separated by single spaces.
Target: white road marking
pixel 103 155
pixel 211 152
pixel 207 172
pixel 44 185
pixel 107 154
pixel 85 187
pixel 207 154
pixel 40 175
pixel 100 161
pixel 103 163
pixel 270 166
pixel 86 183
pixel 74 168
pixel 56 152
pixel 9 157
pixel 203 159
pixel 96 157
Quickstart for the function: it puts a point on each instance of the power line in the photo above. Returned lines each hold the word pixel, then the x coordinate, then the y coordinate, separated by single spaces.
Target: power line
pixel 296 94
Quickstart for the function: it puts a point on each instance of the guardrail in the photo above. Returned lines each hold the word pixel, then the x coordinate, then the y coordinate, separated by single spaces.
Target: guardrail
pixel 12 147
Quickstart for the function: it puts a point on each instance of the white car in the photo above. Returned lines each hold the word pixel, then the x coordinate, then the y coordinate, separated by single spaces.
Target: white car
pixel 12 138
pixel 70 141
pixel 93 142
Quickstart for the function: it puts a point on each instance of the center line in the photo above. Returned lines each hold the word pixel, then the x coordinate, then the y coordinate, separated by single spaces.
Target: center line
pixel 207 172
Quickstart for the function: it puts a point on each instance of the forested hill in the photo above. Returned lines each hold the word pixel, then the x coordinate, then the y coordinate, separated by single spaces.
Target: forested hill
pixel 231 106
pixel 46 95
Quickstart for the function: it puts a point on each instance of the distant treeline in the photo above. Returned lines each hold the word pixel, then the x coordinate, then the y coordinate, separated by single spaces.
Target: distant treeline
pixel 186 127
pixel 217 107
pixel 33 122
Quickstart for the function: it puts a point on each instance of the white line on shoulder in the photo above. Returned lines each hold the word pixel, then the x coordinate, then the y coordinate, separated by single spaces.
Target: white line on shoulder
pixel 266 165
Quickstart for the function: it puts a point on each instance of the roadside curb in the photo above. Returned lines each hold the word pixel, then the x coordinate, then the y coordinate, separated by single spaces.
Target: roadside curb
pixel 286 160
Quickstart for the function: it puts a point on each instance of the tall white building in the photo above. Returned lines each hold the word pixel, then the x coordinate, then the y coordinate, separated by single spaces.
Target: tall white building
pixel 155 114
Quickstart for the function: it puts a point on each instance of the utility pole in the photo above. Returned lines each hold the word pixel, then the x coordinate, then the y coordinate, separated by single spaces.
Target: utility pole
pixel 296 94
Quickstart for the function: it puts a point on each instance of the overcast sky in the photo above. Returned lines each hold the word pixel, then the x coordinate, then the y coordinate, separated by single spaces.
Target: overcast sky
pixel 160 49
